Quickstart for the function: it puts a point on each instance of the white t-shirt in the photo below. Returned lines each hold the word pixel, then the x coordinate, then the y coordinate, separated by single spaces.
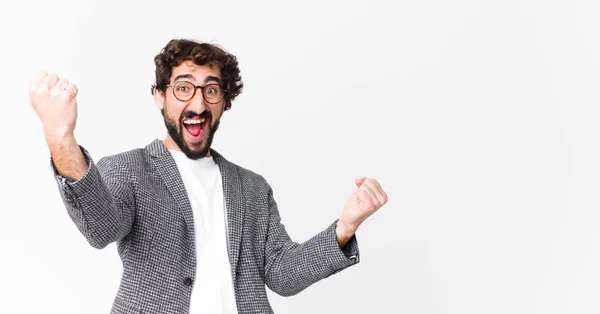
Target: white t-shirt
pixel 213 286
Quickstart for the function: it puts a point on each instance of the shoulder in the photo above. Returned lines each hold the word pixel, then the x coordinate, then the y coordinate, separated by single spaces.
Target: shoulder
pixel 248 178
pixel 251 177
pixel 130 159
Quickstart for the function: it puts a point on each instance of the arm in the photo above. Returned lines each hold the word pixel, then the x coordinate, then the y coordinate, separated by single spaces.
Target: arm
pixel 101 201
pixel 67 156
pixel 292 267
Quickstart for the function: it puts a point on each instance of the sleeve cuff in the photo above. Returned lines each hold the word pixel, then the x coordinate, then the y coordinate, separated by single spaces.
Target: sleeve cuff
pixel 350 250
pixel 66 180
pixel 345 257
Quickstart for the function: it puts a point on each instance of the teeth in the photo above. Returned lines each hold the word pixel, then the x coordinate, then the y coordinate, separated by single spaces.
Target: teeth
pixel 194 121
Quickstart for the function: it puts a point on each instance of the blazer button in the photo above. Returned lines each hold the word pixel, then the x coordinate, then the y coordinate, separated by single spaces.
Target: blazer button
pixel 188 281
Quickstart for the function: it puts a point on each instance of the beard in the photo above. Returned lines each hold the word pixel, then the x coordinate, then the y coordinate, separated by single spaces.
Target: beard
pixel 175 130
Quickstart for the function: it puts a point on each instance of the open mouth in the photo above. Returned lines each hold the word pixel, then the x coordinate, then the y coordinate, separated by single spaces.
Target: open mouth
pixel 195 127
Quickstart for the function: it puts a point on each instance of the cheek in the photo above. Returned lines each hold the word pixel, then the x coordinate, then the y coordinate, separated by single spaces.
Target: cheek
pixel 173 110
pixel 216 111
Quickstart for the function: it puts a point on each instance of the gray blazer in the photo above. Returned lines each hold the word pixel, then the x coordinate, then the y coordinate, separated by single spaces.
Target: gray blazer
pixel 137 198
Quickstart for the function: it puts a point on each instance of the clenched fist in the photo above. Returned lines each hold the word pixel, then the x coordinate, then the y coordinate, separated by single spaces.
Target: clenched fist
pixel 366 200
pixel 54 101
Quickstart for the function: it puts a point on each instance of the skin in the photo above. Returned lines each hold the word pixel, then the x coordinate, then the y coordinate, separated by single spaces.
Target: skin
pixel 55 102
pixel 173 109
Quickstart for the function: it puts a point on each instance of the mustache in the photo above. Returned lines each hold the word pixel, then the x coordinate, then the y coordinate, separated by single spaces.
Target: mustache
pixel 191 115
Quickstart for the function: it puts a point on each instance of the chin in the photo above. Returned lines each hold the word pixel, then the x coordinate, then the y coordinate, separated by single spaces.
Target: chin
pixel 196 151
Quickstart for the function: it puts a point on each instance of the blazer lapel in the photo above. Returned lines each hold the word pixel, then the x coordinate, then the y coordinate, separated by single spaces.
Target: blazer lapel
pixel 235 205
pixel 232 192
pixel 167 169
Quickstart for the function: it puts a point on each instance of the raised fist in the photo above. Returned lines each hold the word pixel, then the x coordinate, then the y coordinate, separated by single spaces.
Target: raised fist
pixel 365 201
pixel 54 101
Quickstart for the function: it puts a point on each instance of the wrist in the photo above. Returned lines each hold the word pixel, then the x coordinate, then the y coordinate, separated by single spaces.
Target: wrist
pixel 54 137
pixel 343 233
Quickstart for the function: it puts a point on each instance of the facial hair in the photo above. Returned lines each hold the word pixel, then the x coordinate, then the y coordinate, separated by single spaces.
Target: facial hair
pixel 175 131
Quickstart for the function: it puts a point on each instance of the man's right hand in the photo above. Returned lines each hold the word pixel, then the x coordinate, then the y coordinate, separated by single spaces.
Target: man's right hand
pixel 54 101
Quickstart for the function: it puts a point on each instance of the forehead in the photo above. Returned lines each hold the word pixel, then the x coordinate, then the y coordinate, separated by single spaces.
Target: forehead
pixel 199 72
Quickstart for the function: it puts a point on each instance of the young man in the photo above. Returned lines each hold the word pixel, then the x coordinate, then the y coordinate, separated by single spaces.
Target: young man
pixel 195 232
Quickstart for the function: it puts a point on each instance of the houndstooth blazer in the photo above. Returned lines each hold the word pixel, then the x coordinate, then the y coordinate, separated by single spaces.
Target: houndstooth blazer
pixel 137 198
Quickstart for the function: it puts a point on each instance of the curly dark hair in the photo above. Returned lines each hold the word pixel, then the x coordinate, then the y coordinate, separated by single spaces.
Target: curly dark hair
pixel 180 50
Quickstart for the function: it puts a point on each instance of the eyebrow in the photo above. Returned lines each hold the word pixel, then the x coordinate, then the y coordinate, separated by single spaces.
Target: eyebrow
pixel 212 78
pixel 183 76
pixel 191 77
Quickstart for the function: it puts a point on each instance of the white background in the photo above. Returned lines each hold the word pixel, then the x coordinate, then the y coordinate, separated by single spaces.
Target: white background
pixel 479 118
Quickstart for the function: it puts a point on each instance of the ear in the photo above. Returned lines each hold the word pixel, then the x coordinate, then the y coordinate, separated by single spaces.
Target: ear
pixel 224 106
pixel 159 98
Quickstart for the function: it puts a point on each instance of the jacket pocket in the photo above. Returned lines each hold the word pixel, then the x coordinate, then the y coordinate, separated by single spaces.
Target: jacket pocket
pixel 121 306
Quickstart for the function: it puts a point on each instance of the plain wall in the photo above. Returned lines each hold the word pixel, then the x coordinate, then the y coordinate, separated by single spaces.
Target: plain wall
pixel 479 118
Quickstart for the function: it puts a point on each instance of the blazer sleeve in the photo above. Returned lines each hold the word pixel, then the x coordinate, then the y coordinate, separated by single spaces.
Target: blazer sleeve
pixel 292 267
pixel 101 203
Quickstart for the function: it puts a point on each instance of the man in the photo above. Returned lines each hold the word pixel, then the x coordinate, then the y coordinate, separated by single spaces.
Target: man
pixel 195 232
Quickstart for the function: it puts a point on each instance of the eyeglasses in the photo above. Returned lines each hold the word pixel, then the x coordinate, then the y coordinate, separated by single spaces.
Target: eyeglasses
pixel 184 91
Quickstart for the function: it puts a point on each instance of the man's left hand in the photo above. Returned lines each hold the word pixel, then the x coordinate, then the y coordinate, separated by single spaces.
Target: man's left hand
pixel 366 200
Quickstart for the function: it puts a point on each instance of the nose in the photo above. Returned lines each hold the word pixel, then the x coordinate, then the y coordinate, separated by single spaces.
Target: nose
pixel 197 103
